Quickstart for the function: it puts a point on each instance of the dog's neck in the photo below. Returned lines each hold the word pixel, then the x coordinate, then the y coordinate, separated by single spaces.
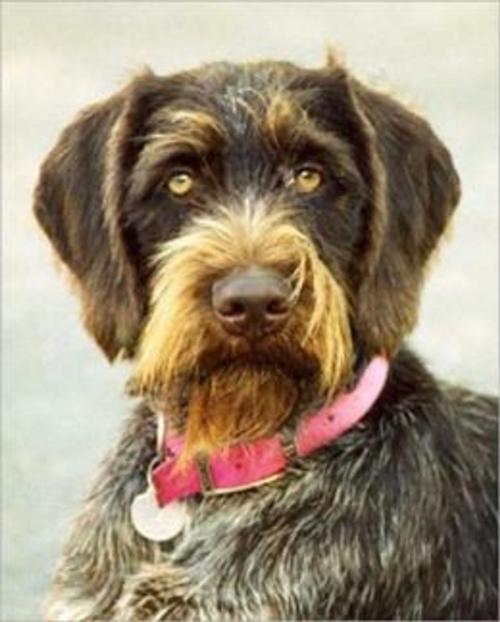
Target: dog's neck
pixel 245 465
pixel 234 415
pixel 233 406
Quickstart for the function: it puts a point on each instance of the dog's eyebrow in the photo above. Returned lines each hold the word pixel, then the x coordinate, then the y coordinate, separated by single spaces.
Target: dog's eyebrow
pixel 289 127
pixel 284 117
pixel 174 133
pixel 194 129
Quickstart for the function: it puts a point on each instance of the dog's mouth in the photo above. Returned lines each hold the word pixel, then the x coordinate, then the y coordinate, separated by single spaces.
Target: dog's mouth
pixel 271 355
pixel 234 367
pixel 266 356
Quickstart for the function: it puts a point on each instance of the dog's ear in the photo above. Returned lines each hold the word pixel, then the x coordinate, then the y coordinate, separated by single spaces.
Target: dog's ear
pixel 77 201
pixel 415 189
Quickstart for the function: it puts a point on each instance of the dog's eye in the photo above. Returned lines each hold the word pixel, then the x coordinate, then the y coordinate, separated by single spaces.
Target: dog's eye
pixel 307 179
pixel 179 184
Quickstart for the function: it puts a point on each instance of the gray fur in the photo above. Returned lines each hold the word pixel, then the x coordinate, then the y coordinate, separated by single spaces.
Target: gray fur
pixel 386 523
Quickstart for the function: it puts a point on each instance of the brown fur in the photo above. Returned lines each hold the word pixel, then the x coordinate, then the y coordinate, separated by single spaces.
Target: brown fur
pixel 396 519
pixel 169 350
pixel 178 342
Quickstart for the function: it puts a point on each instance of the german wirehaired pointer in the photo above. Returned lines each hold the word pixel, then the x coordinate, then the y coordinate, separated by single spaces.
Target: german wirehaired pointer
pixel 254 238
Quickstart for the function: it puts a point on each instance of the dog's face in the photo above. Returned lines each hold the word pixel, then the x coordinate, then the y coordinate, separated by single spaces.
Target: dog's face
pixel 245 233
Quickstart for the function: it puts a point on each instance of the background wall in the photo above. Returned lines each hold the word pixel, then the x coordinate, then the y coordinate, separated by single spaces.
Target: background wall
pixel 62 403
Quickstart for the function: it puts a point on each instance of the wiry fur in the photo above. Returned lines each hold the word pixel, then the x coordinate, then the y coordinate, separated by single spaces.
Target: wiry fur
pixel 358 531
pixel 397 518
pixel 234 402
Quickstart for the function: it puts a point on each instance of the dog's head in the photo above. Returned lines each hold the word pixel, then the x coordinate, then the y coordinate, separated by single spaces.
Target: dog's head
pixel 243 231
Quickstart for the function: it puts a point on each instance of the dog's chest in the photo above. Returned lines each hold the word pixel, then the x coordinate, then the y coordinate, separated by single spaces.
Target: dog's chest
pixel 245 546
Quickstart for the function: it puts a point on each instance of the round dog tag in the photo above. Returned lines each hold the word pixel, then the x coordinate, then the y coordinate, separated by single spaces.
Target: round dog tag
pixel 156 523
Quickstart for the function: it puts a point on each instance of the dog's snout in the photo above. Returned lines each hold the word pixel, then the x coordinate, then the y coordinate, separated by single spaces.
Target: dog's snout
pixel 252 302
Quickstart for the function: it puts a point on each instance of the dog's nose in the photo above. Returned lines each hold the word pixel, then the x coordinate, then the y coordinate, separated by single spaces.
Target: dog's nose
pixel 255 301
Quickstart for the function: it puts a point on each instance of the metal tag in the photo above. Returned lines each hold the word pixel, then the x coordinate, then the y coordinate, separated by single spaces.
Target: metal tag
pixel 156 523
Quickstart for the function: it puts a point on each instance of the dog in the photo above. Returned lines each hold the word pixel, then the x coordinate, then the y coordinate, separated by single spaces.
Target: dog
pixel 254 239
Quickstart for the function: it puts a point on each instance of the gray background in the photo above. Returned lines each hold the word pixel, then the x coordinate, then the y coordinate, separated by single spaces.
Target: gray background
pixel 61 402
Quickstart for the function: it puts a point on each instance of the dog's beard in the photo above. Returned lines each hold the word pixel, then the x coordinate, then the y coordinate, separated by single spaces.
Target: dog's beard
pixel 227 394
pixel 235 390
pixel 237 404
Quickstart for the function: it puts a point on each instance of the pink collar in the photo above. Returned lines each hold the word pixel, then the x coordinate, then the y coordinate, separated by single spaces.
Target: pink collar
pixel 251 464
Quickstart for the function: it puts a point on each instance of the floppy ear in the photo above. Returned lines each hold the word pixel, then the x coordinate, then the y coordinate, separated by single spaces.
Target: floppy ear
pixel 417 191
pixel 77 202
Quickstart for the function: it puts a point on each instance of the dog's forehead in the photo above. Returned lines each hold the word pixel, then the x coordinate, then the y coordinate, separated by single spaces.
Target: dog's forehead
pixel 238 102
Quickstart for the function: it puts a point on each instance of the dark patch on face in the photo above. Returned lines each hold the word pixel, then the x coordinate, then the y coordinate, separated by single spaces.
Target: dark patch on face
pixel 249 161
pixel 389 187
